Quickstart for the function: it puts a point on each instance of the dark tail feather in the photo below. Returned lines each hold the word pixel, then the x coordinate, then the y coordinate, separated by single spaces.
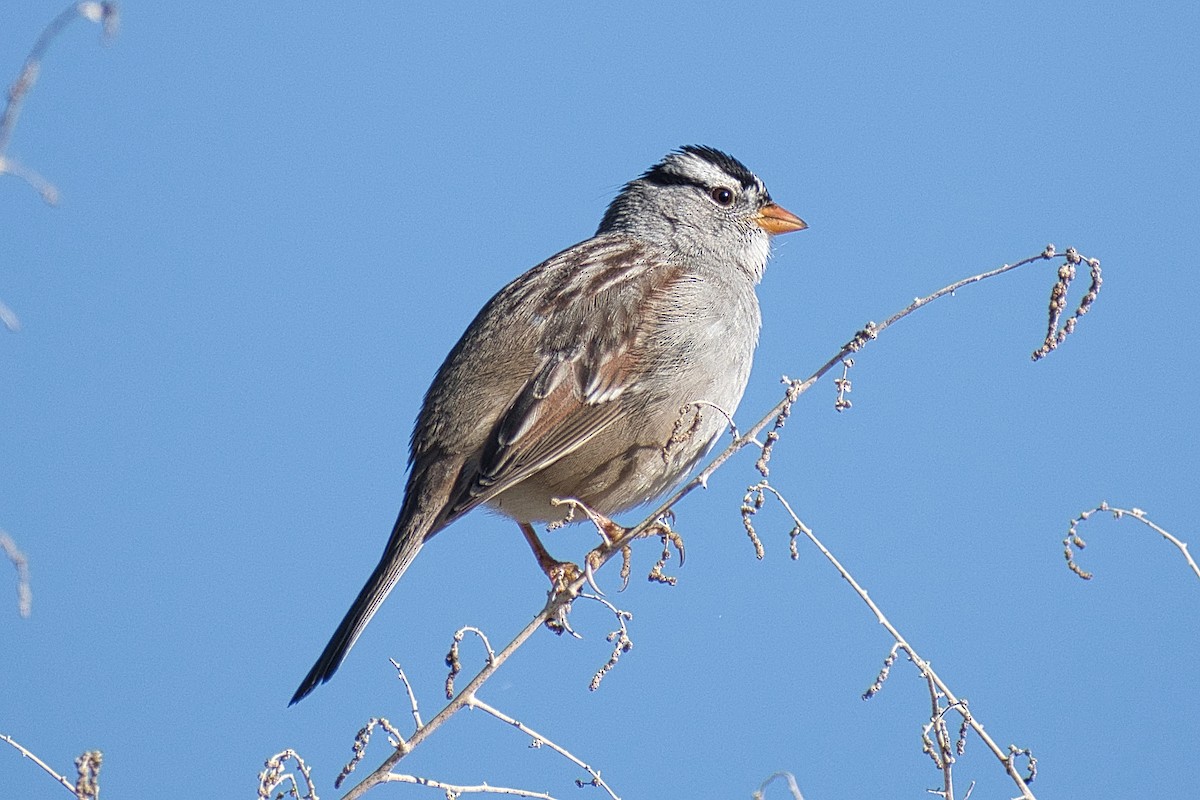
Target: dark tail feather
pixel 400 552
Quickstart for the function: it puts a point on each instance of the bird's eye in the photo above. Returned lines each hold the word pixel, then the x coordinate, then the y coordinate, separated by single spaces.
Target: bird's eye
pixel 721 196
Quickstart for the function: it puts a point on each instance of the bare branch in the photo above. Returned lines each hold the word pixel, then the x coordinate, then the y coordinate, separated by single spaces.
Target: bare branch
pixel 363 738
pixel 539 740
pixel 785 776
pixel 622 644
pixel 459 702
pixel 465 699
pixel 274 776
pixel 104 13
pixel 778 415
pixel 936 683
pixel 452 657
pixel 876 687
pixel 66 784
pixel 8 317
pixel 454 789
pixel 412 698
pixel 1074 541
pixel 21 563
pixel 1058 301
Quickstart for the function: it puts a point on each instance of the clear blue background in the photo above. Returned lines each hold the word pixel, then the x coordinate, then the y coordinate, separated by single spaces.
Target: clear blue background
pixel 276 220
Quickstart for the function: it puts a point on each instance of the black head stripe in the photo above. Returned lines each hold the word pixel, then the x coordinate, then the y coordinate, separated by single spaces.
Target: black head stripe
pixel 664 173
pixel 734 168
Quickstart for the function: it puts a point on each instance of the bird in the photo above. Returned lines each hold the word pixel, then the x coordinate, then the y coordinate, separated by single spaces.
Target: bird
pixel 576 379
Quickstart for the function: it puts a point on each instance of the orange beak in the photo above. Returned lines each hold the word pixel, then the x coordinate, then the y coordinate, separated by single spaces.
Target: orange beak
pixel 777 219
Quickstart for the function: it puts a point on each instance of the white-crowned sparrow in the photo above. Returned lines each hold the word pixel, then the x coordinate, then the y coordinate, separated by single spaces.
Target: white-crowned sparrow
pixel 571 382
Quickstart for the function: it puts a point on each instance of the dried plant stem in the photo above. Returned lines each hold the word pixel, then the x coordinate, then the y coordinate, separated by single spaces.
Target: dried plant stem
pixel 1074 540
pixel 275 775
pixel 798 387
pixel 921 664
pixel 21 563
pixel 783 776
pixel 104 13
pixel 467 698
pixel 459 702
pixel 559 601
pixel 454 789
pixel 9 318
pixel 412 698
pixel 66 784
pixel 475 702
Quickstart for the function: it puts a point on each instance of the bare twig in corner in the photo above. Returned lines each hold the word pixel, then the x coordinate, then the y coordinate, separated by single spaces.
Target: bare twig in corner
pixel 412 698
pixel 539 741
pixel 1074 541
pixel 45 767
pixel 103 13
pixel 18 559
pixel 937 685
pixel 106 15
pixel 274 776
pixel 783 776
pixel 402 747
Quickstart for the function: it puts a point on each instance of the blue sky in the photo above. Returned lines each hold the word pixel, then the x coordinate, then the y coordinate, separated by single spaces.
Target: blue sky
pixel 274 224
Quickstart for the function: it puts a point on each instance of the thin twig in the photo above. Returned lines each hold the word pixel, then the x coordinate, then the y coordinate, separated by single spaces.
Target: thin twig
pixel 455 789
pixel 923 666
pixel 1074 541
pixel 8 317
pixel 540 740
pixel 784 776
pixel 459 702
pixel 412 698
pixel 940 752
pixel 21 563
pixel 106 15
pixel 361 741
pixel 622 644
pixel 274 775
pixel 798 387
pixel 70 787
pixel 452 657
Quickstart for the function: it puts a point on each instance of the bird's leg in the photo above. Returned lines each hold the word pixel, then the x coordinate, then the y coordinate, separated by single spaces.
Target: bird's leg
pixel 561 573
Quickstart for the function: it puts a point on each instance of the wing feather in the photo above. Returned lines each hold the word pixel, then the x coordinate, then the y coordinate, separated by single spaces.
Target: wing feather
pixel 585 364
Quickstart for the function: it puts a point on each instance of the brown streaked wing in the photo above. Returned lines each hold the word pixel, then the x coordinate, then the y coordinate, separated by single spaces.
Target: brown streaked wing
pixel 587 365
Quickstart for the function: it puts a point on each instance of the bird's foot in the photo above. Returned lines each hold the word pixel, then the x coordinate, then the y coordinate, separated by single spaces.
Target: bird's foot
pixel 563 577
pixel 661 528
